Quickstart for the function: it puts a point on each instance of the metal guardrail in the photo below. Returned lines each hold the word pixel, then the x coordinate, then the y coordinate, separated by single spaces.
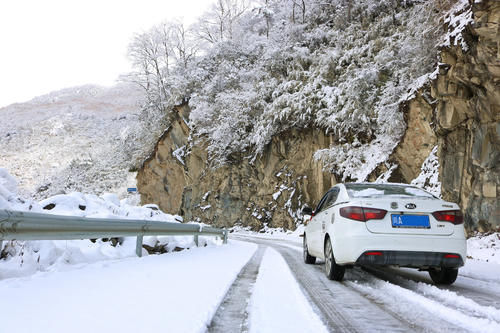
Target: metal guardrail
pixel 19 225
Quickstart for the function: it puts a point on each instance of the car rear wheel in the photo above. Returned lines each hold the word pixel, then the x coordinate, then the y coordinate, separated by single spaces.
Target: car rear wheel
pixel 332 270
pixel 308 259
pixel 443 275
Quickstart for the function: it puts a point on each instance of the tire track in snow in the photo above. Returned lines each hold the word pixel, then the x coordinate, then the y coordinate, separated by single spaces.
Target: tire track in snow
pixel 232 314
pixel 341 308
pixel 419 300
pixel 485 294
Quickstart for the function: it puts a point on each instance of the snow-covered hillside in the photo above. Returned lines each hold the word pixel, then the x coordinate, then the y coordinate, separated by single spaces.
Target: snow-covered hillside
pixel 344 67
pixel 77 139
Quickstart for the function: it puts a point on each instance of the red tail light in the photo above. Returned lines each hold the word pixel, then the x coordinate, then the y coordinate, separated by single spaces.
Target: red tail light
pixel 453 216
pixel 375 253
pixel 362 214
pixel 451 256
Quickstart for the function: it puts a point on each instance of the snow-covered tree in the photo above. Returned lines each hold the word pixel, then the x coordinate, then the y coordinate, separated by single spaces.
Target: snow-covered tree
pixel 218 23
pixel 340 65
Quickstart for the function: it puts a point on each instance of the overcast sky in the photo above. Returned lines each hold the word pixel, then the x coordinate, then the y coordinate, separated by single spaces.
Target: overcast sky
pixel 47 45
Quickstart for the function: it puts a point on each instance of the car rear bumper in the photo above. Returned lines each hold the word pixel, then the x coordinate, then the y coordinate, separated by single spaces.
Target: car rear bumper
pixel 416 259
pixel 352 243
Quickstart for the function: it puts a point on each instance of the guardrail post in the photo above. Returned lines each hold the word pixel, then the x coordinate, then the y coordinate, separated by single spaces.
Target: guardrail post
pixel 196 240
pixel 225 236
pixel 138 245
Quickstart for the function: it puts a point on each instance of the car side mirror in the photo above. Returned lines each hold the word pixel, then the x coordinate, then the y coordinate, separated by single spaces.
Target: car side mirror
pixel 307 211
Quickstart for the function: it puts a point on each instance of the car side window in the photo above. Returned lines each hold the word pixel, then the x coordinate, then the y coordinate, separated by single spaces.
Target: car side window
pixel 327 200
pixel 321 203
pixel 334 193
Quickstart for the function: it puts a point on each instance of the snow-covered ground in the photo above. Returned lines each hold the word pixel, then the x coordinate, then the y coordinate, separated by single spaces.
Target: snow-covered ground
pixel 484 248
pixel 177 292
pixel 271 233
pixel 80 285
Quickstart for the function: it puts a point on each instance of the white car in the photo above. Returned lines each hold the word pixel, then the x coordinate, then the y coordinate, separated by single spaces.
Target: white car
pixel 385 225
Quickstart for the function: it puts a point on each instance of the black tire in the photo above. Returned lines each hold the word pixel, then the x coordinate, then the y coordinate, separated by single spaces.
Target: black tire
pixel 308 259
pixel 332 270
pixel 444 276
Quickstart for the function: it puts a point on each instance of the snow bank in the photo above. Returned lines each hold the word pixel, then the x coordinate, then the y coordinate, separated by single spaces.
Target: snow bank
pixel 484 248
pixel 21 258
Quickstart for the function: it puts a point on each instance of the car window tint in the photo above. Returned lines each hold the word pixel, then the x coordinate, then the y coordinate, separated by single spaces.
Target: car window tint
pixel 328 199
pixel 332 197
pixel 320 205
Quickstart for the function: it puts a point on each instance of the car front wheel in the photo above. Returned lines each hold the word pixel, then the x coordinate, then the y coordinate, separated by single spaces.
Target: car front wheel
pixel 332 270
pixel 444 275
pixel 308 259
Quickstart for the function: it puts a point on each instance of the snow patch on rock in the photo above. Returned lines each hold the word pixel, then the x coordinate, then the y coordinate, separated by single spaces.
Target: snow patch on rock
pixel 428 179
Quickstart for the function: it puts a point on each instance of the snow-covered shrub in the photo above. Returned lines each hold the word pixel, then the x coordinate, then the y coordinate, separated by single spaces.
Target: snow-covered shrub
pixel 9 198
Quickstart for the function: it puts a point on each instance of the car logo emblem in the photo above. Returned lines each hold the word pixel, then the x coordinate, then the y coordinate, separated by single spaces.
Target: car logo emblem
pixel 411 206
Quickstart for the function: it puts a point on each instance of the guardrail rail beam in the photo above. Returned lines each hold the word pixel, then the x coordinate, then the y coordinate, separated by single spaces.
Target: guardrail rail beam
pixel 20 225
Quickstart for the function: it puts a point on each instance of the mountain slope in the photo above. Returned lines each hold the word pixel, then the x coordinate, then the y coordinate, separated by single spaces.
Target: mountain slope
pixel 81 138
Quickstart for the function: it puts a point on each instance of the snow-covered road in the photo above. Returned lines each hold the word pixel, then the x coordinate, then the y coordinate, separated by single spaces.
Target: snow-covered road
pixel 252 284
pixel 397 300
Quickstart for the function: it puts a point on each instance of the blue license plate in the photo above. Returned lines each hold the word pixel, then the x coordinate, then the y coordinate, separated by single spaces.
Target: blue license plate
pixel 410 221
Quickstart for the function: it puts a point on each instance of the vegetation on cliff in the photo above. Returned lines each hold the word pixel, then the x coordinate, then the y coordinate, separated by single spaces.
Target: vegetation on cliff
pixel 254 70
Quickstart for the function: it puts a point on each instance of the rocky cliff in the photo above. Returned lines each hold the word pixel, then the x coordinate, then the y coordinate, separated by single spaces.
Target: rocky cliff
pixel 466 106
pixel 458 111
pixel 268 191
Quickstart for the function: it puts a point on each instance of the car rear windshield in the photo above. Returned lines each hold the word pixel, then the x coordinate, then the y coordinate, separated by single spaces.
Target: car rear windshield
pixel 378 190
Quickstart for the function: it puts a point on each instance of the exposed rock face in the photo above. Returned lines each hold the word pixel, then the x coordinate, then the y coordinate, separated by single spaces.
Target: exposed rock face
pixel 459 112
pixel 161 180
pixel 268 190
pixel 418 141
pixel 468 113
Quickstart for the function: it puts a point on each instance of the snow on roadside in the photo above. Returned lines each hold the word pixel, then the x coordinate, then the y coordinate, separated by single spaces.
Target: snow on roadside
pixel 482 271
pixel 271 233
pixel 277 303
pixel 483 258
pixel 178 292
pixel 22 258
pixel 484 248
